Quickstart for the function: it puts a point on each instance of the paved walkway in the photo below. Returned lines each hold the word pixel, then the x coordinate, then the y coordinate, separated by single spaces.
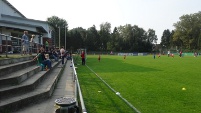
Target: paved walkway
pixel 65 87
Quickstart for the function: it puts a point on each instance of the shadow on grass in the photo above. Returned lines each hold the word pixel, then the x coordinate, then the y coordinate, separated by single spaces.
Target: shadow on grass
pixel 99 102
pixel 113 65
pixel 91 84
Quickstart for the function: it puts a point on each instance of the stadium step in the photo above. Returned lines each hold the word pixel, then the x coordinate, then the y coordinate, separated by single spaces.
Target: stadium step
pixel 26 85
pixel 18 76
pixel 14 60
pixel 10 68
pixel 65 87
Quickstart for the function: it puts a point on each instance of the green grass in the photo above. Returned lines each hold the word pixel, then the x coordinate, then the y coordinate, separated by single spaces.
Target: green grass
pixel 151 85
pixel 10 56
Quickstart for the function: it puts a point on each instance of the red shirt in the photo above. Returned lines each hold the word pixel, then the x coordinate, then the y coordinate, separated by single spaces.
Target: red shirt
pixel 82 55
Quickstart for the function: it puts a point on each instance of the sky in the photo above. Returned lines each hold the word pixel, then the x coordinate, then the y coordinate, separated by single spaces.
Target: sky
pixel 158 15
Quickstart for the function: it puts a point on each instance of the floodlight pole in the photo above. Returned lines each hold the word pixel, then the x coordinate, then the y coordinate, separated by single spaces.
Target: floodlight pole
pixel 59 37
pixel 65 37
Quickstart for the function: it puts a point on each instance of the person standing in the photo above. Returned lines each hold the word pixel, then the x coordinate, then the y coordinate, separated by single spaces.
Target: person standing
pixel 62 52
pixel 159 55
pixel 46 45
pixel 124 56
pixel 32 43
pixel 195 54
pixel 180 53
pixel 83 58
pixel 25 43
pixel 99 58
pixel 41 48
pixel 168 53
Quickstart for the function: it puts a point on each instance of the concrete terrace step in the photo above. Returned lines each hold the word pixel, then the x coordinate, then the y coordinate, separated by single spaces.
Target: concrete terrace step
pixel 14 60
pixel 25 86
pixel 65 87
pixel 10 68
pixel 42 86
pixel 18 76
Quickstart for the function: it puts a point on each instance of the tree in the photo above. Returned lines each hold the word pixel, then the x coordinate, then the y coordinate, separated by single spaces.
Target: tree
pixel 151 36
pixel 92 39
pixel 126 38
pixel 165 39
pixel 76 40
pixel 105 30
pixel 188 31
pixel 114 43
pixel 58 23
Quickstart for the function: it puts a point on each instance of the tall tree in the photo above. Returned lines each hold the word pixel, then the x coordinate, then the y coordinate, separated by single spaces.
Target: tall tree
pixel 105 30
pixel 58 24
pixel 93 39
pixel 152 36
pixel 165 39
pixel 76 40
pixel 114 43
pixel 188 31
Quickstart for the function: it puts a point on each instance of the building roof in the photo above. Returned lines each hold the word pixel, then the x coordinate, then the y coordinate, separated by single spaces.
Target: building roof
pixel 15 17
pixel 13 8
pixel 22 24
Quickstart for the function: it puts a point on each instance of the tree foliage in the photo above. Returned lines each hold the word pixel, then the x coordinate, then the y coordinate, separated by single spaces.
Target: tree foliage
pixel 58 24
pixel 165 39
pixel 126 38
pixel 186 35
pixel 187 31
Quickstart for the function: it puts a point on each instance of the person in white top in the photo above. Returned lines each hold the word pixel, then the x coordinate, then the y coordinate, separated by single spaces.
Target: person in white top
pixel 168 53
pixel 62 51
pixel 32 43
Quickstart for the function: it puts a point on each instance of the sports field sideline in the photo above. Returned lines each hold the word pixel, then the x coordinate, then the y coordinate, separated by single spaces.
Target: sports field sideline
pixel 161 85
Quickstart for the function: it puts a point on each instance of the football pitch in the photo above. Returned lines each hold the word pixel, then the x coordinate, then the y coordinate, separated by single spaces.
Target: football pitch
pixel 161 85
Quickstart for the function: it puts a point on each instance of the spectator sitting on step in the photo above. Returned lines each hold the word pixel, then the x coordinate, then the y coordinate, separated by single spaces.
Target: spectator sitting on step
pixel 40 59
pixel 43 60
pixel 47 62
pixel 54 55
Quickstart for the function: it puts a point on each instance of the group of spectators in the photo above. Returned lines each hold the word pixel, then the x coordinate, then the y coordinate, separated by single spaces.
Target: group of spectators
pixel 45 54
pixel 45 57
pixel 27 46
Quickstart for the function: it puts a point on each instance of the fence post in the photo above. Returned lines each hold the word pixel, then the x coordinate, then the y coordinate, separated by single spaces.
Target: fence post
pixel 1 42
pixel 6 46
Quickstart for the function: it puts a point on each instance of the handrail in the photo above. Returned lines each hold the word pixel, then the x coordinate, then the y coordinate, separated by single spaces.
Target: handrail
pixel 79 90
pixel 6 36
pixel 16 38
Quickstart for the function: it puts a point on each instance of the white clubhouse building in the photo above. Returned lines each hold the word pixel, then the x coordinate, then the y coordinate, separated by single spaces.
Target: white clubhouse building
pixel 13 23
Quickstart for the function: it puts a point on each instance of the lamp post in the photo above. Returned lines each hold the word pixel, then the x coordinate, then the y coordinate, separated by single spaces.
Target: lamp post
pixel 65 37
pixel 102 48
pixel 59 37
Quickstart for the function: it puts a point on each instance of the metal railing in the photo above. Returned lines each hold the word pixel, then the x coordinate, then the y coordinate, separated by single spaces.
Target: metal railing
pixel 78 89
pixel 14 45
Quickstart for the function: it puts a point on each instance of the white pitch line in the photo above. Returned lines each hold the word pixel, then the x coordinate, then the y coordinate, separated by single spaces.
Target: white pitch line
pixel 117 93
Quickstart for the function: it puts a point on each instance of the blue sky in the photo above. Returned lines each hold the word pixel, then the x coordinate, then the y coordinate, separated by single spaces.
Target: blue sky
pixel 155 14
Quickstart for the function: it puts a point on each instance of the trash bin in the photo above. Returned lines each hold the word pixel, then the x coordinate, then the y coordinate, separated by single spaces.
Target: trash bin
pixel 65 105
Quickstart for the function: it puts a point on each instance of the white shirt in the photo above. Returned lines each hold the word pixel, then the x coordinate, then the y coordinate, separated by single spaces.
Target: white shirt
pixel 31 42
pixel 62 51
